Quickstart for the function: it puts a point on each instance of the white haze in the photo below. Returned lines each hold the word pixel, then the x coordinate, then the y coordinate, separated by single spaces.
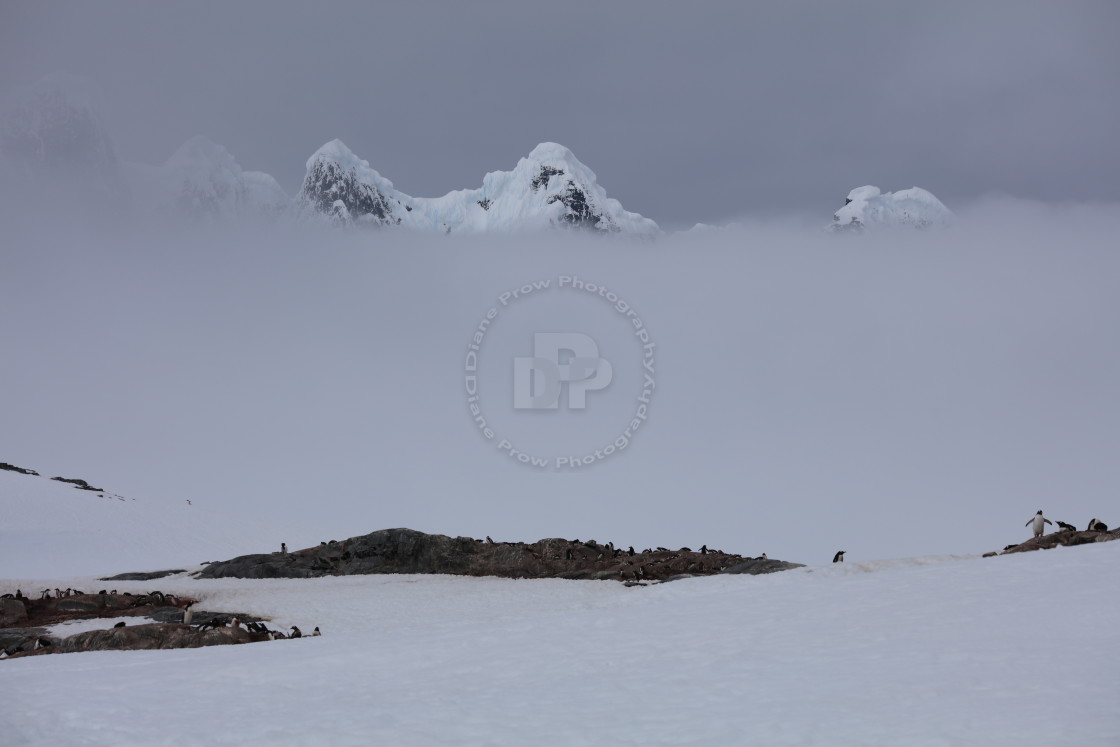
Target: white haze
pixel 891 395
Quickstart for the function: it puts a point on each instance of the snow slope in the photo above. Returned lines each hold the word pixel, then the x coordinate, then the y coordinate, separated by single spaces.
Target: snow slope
pixel 549 188
pixel 948 651
pixel 867 207
pixel 52 528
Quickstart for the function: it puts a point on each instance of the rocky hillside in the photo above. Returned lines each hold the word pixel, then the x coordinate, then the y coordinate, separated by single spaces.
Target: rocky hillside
pixel 409 551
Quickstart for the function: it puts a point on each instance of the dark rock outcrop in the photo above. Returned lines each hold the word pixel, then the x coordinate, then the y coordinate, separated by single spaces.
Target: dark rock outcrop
pixel 13 640
pixel 78 483
pixel 154 636
pixel 12 468
pixel 1065 538
pixel 409 551
pixel 149 576
pixel 334 187
pixel 12 612
pixel 168 631
pixel 759 566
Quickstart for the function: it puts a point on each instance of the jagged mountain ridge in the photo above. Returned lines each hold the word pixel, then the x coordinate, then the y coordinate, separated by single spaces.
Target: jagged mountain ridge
pixel 550 188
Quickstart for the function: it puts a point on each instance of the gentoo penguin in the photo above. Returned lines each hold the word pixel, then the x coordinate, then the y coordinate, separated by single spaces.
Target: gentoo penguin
pixel 283 548
pixel 1039 523
pixel 1066 527
pixel 295 633
pixel 119 625
pixel 838 557
pixel 1096 525
pixel 630 552
pixel 188 614
pixel 316 631
pixel 488 540
pixel 703 549
pixel 763 557
pixel 235 623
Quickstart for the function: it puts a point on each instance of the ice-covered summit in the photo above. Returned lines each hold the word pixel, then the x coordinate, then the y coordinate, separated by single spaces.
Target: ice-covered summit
pixel 345 189
pixel 203 181
pixel 867 207
pixel 550 188
pixel 207 181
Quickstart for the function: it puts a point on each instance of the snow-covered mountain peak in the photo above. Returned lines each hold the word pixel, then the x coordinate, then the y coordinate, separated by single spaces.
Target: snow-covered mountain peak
pixel 868 207
pixel 550 188
pixel 199 149
pixel 204 181
pixel 346 189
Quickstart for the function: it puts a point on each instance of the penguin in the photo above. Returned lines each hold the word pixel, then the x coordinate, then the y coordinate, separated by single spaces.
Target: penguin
pixel 488 540
pixel 1039 523
pixel 763 557
pixel 1066 527
pixel 1009 547
pixel 316 631
pixel 838 557
pixel 119 625
pixel 19 594
pixel 235 623
pixel 283 548
pixel 1096 525
pixel 630 552
pixel 703 549
pixel 295 633
pixel 188 614
pixel 568 554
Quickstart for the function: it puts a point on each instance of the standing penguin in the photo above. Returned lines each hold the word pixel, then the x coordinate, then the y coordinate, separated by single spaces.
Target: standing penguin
pixel 283 548
pixel 838 557
pixel 1039 521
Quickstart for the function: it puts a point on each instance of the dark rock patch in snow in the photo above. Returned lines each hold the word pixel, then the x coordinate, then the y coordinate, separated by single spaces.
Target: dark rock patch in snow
pixel 541 179
pixel 410 551
pixel 149 576
pixel 24 623
pixel 78 483
pixel 21 470
pixel 759 566
pixel 1065 538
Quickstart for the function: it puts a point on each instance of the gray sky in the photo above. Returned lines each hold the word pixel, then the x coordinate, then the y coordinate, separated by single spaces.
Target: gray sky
pixel 686 111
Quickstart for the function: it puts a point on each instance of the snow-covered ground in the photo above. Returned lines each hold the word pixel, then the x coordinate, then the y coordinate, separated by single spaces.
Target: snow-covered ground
pixel 52 529
pixel 1013 650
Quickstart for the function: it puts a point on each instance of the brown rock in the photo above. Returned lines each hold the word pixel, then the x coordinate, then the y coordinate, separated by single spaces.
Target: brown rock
pixel 12 612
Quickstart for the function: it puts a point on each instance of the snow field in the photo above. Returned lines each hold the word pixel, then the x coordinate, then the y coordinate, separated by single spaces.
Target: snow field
pixel 950 651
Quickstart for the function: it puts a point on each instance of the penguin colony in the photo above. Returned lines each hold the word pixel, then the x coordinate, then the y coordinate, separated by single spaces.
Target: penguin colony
pixel 128 601
pixel 1038 524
